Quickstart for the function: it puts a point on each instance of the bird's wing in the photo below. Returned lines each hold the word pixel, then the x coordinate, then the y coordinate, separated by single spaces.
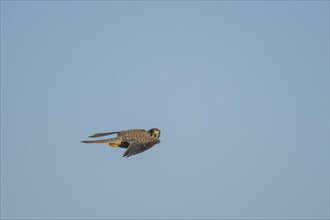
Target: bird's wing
pixel 104 134
pixel 104 141
pixel 115 132
pixel 139 147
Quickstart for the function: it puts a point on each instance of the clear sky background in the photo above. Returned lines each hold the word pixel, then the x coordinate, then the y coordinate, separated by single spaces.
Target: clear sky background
pixel 238 89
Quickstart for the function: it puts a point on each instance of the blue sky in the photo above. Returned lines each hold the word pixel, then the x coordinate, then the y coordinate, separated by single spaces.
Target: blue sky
pixel 240 91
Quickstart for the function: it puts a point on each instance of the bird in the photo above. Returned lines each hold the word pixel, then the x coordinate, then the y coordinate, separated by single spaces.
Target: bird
pixel 134 140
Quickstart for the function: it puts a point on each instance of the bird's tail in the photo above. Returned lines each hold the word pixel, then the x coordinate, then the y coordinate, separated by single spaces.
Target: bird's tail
pixel 104 141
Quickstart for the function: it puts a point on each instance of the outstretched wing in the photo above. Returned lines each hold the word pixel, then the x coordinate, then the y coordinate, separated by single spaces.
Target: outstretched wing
pixel 104 141
pixel 139 147
pixel 104 134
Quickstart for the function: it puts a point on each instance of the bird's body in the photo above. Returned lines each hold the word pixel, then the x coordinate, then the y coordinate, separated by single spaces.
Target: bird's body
pixel 135 140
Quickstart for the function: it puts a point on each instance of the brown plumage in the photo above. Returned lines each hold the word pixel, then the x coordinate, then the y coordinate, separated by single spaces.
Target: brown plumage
pixel 135 140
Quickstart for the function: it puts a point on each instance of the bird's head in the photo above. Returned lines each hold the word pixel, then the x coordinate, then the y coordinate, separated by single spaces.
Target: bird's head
pixel 154 132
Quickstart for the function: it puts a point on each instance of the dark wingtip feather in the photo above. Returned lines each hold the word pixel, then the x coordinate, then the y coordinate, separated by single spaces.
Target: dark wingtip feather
pixel 95 135
pixel 126 155
pixel 102 134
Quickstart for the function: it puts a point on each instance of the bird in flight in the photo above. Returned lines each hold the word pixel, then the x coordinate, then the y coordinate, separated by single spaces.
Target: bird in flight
pixel 135 140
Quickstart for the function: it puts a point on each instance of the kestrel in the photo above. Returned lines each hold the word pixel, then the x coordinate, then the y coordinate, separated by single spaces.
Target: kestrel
pixel 135 140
